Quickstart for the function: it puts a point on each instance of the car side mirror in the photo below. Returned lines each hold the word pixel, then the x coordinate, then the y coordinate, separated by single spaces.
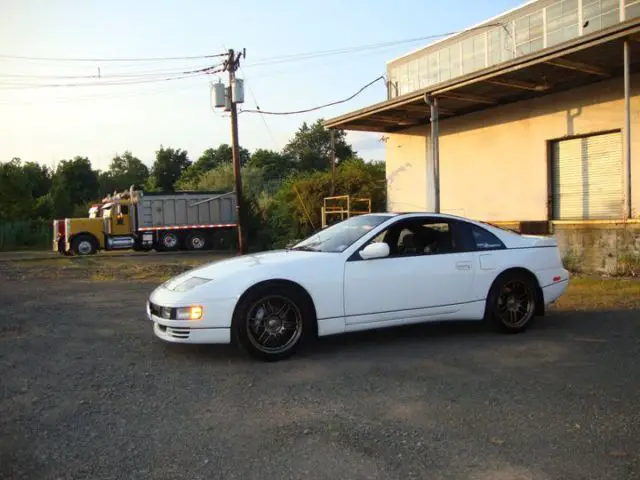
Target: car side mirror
pixel 375 250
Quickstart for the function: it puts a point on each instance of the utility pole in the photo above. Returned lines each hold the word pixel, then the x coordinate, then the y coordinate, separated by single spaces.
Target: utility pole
pixel 333 162
pixel 231 65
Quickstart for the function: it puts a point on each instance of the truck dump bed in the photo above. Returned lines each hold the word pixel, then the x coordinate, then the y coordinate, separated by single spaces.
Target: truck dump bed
pixel 185 209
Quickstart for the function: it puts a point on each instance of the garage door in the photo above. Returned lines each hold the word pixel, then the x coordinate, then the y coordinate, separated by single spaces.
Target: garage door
pixel 588 178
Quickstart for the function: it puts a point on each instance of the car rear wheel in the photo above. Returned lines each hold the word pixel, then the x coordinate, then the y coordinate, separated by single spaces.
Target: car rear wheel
pixel 512 302
pixel 272 321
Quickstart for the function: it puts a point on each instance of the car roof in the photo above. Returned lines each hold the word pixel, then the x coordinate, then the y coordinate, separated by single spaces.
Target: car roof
pixel 500 232
pixel 419 214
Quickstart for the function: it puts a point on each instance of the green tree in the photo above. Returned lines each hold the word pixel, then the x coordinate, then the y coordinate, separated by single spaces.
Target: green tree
pixel 274 165
pixel 107 183
pixel 16 201
pixel 310 148
pixel 169 166
pixel 126 170
pixel 210 159
pixel 220 179
pixel 38 177
pixel 295 210
pixel 74 183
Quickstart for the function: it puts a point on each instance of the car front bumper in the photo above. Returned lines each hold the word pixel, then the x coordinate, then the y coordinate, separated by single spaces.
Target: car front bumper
pixel 184 331
pixel 192 335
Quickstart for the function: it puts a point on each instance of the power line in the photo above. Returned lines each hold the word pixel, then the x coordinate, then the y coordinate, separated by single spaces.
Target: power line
pixel 373 46
pixel 264 120
pixel 193 74
pixel 339 51
pixel 320 106
pixel 142 59
pixel 100 75
pixel 264 61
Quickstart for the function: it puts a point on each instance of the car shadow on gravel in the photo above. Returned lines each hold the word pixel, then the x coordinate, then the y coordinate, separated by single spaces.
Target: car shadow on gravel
pixel 557 325
pixel 594 326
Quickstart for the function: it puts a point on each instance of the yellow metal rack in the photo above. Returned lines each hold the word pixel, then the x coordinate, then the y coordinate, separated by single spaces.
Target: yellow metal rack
pixel 341 207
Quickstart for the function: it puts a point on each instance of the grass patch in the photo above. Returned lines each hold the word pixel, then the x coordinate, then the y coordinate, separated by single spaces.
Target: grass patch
pixel 96 269
pixel 142 273
pixel 597 293
pixel 629 265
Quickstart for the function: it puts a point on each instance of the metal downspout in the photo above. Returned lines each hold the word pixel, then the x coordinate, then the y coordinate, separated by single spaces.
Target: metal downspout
pixel 627 126
pixel 435 154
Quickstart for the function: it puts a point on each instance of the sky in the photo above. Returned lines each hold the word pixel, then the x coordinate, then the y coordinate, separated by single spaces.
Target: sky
pixel 47 124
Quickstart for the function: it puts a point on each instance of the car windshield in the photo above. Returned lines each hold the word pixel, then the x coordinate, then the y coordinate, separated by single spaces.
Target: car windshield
pixel 340 236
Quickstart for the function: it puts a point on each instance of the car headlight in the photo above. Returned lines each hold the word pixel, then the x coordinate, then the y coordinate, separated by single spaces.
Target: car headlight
pixel 193 312
pixel 179 284
pixel 189 313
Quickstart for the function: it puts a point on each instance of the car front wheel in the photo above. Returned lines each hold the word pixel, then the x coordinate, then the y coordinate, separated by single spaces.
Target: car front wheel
pixel 512 302
pixel 272 321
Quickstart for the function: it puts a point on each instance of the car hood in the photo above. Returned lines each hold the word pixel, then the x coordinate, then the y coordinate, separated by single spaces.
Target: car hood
pixel 221 269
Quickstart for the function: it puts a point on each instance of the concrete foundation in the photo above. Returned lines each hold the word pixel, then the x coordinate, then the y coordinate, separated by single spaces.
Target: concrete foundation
pixel 600 248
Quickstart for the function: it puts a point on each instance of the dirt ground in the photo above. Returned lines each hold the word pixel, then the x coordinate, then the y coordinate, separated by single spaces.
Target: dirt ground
pixel 88 392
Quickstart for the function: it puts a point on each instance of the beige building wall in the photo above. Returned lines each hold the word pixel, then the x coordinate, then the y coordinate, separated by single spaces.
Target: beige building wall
pixel 493 164
pixel 408 185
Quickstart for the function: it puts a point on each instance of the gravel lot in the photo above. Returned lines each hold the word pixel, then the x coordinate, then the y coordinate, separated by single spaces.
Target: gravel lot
pixel 88 392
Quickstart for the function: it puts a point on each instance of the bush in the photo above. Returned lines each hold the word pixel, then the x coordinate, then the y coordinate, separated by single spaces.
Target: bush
pixel 26 234
pixel 295 210
pixel 629 265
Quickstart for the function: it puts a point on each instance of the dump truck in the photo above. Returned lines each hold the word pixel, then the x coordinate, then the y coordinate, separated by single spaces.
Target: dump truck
pixel 145 221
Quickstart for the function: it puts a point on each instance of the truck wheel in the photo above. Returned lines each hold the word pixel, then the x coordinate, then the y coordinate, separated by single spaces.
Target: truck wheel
pixel 84 245
pixel 169 241
pixel 197 241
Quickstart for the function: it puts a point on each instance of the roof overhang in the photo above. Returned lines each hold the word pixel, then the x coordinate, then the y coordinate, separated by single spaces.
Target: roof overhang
pixel 582 61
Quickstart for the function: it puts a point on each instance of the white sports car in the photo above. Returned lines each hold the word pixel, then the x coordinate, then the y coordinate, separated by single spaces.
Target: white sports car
pixel 370 271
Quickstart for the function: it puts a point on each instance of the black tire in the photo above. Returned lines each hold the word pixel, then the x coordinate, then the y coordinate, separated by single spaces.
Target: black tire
pixel 137 247
pixel 511 304
pixel 168 242
pixel 83 245
pixel 61 249
pixel 253 319
pixel 197 241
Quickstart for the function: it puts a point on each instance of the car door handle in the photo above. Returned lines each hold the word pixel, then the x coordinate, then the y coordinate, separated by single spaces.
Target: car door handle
pixel 463 265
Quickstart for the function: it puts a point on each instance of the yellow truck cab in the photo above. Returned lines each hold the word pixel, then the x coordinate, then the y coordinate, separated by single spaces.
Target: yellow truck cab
pixel 145 221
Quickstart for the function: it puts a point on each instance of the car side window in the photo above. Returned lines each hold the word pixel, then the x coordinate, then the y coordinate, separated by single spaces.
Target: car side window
pixel 419 236
pixel 485 240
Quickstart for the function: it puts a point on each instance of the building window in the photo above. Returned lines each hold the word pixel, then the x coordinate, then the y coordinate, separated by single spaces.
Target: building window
pixel 598 14
pixel 473 54
pixel 403 80
pixel 587 178
pixel 434 76
pixel 500 44
pixel 450 62
pixel 524 35
pixel 528 34
pixel 631 9
pixel 393 82
pixel 562 22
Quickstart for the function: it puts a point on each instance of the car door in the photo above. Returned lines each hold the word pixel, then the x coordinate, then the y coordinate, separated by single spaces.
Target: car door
pixel 419 280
